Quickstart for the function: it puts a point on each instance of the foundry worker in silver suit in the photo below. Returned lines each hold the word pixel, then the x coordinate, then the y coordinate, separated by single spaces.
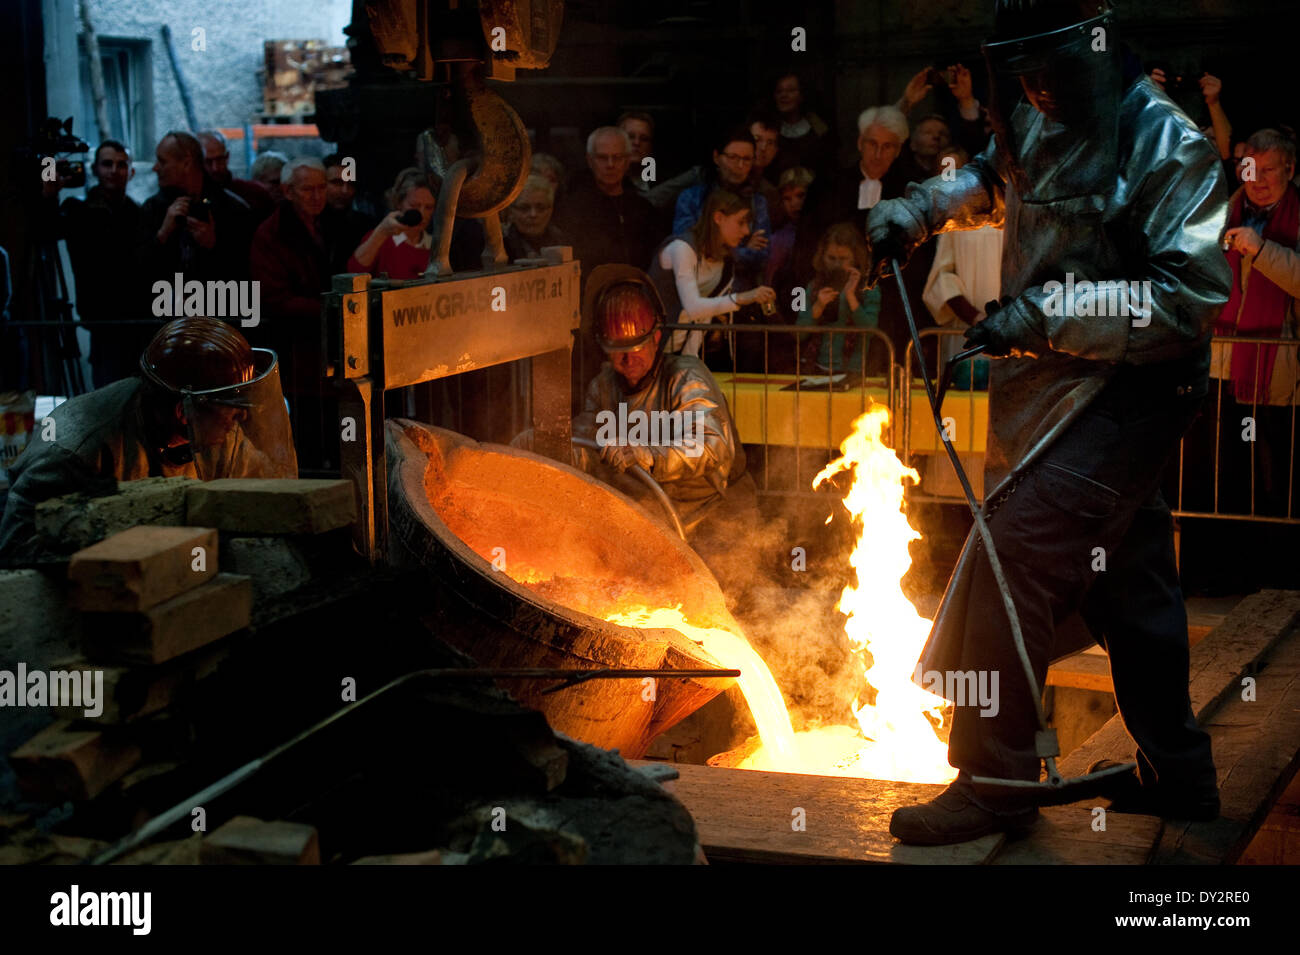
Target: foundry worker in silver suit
pixel 205 405
pixel 1096 177
pixel 660 412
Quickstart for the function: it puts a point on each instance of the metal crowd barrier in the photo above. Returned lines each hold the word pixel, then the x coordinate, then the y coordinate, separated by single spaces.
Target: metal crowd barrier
pixel 1260 431
pixel 1217 473
pixel 797 426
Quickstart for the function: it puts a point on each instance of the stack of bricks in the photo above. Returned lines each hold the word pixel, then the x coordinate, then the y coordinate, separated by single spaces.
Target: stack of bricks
pixel 152 603
pixel 154 610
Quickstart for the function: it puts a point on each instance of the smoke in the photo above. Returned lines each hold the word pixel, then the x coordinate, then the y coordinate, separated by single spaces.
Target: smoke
pixel 782 567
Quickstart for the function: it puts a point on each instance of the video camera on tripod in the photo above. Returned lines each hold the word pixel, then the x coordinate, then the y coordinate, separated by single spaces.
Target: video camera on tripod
pixel 54 140
pixel 46 165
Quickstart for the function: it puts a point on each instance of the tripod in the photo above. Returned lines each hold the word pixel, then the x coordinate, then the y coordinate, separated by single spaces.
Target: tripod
pixel 60 356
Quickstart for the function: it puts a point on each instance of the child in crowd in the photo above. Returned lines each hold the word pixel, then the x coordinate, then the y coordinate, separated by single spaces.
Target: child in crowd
pixel 835 299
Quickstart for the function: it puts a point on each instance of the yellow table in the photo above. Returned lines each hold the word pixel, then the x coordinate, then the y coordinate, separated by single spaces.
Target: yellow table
pixel 765 414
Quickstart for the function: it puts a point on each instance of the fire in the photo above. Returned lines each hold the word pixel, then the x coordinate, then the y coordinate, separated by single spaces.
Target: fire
pixel 894 736
pixel 733 652
pixel 881 620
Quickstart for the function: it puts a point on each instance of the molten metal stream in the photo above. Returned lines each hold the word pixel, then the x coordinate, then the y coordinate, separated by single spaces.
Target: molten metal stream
pixel 894 736
pixel 755 681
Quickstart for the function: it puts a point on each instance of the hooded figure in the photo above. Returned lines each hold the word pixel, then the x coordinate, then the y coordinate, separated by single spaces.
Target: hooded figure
pixel 1112 204
pixel 205 406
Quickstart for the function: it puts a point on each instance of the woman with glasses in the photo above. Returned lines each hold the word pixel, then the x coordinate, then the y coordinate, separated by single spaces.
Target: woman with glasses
pixel 733 160
pixel 530 228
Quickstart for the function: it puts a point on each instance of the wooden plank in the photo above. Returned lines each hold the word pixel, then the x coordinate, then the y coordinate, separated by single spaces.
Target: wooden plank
pixel 1256 755
pixel 1065 836
pixel 748 816
pixel 1089 668
pixel 1084 670
pixel 1218 662
pixel 1234 649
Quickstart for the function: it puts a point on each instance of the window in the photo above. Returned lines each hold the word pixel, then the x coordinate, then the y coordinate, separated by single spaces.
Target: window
pixel 128 95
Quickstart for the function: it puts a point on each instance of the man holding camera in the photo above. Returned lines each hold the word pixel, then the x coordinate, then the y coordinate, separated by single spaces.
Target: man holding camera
pixel 99 231
pixel 191 225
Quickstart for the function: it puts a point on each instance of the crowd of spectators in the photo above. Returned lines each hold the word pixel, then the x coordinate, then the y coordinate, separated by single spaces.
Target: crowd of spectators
pixel 765 230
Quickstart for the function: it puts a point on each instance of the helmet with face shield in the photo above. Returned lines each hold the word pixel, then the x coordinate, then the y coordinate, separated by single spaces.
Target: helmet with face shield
pixel 233 419
pixel 1055 87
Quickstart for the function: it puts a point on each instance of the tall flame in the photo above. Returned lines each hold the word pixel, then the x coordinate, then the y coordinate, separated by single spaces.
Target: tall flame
pixel 881 620
pixel 894 737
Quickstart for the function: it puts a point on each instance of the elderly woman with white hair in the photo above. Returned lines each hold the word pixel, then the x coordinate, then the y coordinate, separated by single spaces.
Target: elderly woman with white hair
pixel 530 229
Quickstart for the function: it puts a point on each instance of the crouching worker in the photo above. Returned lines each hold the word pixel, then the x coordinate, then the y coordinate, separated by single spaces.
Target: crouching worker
pixel 205 405
pixel 663 413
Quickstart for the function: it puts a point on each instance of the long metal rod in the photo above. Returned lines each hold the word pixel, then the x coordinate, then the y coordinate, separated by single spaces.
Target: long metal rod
pixel 572 677
pixel 986 536
pixel 642 475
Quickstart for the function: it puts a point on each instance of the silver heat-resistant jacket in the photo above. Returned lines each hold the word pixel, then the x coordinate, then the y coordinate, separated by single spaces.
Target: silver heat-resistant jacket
pixel 680 383
pixel 100 440
pixel 1161 222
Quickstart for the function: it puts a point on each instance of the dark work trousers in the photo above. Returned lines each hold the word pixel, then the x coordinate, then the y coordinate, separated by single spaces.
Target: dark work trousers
pixel 1096 487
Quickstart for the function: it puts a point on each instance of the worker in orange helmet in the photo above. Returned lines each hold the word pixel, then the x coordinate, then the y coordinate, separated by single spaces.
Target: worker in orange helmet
pixel 205 405
pixel 660 412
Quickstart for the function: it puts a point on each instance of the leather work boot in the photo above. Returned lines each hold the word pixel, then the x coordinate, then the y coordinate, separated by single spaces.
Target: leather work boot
pixel 1130 796
pixel 953 816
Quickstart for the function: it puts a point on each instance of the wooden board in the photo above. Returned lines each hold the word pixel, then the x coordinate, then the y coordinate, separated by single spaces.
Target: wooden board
pixel 746 816
pixel 1236 647
pixel 1256 751
pixel 1218 662
pixel 1086 670
pixel 1065 836
pixel 1089 668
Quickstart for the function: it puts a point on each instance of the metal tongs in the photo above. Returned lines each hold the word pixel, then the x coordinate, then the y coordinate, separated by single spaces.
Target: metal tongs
pixel 948 369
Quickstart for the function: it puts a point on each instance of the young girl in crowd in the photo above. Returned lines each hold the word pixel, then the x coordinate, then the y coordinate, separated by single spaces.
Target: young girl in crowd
pixel 835 299
pixel 395 249
pixel 693 271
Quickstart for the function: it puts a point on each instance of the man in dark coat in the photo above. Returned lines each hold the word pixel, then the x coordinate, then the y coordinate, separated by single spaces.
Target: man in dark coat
pixel 191 225
pixel 607 221
pixel 290 260
pixel 100 231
